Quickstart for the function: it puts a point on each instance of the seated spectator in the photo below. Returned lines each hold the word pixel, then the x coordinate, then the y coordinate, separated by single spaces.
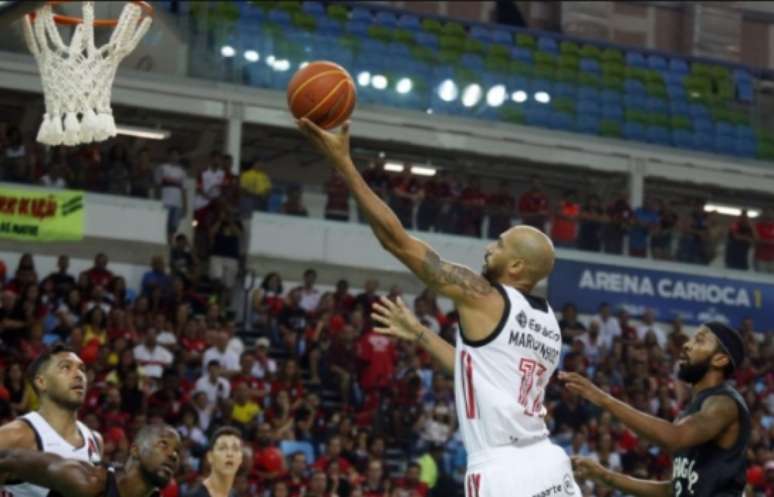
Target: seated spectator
pixel 375 483
pixel 592 219
pixel 609 326
pixel 645 221
pixel 649 325
pixel 740 238
pixel 228 360
pixel 411 483
pixel 337 202
pixel 62 280
pixel 294 205
pixel 265 366
pixel 500 207
pixel 569 325
pixel 289 381
pixel 244 410
pixel 151 357
pixel 157 277
pixel 254 189
pixel 99 275
pixel 170 179
pixel 333 454
pixel 213 384
pixel 533 205
pixel 95 329
pixel 377 354
pixel 564 228
pixel 56 177
pixel 764 241
pixel 593 345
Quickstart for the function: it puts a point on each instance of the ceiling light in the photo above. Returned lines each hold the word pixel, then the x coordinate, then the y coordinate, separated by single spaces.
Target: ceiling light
pixel 448 91
pixel 471 95
pixel 379 82
pixel 227 51
pixel 281 65
pixel 542 97
pixel 395 167
pixel 731 210
pixel 139 132
pixel 519 96
pixel 252 56
pixel 423 170
pixel 404 86
pixel 496 96
pixel 364 78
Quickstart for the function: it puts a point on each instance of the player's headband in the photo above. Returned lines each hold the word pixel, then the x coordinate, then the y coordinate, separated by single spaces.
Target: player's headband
pixel 730 341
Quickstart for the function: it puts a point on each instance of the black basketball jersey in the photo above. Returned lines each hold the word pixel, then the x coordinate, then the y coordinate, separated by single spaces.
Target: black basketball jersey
pixel 111 485
pixel 709 470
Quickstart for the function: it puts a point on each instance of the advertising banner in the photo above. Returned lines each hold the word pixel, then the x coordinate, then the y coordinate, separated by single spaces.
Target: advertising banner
pixel 41 216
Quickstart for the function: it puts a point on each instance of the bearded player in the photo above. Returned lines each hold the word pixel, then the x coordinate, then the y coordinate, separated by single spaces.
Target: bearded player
pixel 154 458
pixel 59 379
pixel 708 440
pixel 508 346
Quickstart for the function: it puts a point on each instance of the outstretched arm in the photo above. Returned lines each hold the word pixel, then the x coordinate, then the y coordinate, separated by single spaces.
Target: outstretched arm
pixel 716 414
pixel 67 477
pixel 586 468
pixel 398 321
pixel 454 281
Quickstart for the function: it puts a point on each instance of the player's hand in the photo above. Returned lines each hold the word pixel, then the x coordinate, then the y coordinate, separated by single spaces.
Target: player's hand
pixel 586 468
pixel 335 146
pixel 396 319
pixel 581 385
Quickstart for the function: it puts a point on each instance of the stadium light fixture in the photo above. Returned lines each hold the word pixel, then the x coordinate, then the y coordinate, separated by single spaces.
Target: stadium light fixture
pixel 227 51
pixel 364 78
pixel 281 65
pixel 395 167
pixel 423 170
pixel 252 56
pixel 404 86
pixel 303 64
pixel 519 96
pixel 379 81
pixel 731 210
pixel 140 132
pixel 542 97
pixel 270 60
pixel 496 96
pixel 448 91
pixel 471 95
pixel 429 111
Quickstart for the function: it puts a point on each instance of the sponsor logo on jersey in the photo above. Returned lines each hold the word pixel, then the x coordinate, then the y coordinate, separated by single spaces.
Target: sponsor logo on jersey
pixel 521 318
pixel 568 484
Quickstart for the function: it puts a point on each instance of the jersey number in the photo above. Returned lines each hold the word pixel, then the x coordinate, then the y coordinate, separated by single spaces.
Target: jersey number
pixel 532 382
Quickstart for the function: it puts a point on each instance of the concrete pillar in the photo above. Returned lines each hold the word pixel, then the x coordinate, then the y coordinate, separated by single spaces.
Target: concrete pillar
pixel 234 135
pixel 637 169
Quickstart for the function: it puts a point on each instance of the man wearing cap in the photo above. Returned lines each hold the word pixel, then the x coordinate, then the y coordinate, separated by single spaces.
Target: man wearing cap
pixel 708 440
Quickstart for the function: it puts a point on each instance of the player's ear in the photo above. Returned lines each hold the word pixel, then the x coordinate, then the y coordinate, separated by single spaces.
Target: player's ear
pixel 720 360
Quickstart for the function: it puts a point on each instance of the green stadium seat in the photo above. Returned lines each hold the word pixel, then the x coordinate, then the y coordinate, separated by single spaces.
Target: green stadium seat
pixel 454 29
pixel 424 54
pixel 526 41
pixel 512 113
pixel 432 26
pixel 589 79
pixel 720 72
pixel 474 46
pixel 337 12
pixel 680 122
pixel 591 52
pixel 610 128
pixel 656 90
pixel 612 55
pixel 452 43
pixel 381 33
pixel 544 58
pixel 564 104
pixel 568 61
pixel 659 119
pixel 566 75
pixel 613 69
pixel 569 48
pixel 543 71
pixel 500 51
pixel 403 36
pixel 613 83
pixel 519 68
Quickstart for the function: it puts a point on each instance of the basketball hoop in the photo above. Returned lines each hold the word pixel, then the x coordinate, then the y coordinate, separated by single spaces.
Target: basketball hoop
pixel 77 79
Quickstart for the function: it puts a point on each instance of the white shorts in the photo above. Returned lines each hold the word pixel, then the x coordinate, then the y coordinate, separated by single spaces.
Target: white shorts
pixel 224 269
pixel 540 470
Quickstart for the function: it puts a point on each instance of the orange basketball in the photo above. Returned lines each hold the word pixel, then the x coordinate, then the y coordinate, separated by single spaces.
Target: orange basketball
pixel 323 92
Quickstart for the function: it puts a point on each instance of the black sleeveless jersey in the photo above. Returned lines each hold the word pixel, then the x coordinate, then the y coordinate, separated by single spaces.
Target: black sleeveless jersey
pixel 111 485
pixel 708 470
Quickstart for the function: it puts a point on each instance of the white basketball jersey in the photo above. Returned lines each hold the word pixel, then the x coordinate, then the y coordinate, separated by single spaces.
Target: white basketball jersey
pixel 50 441
pixel 500 382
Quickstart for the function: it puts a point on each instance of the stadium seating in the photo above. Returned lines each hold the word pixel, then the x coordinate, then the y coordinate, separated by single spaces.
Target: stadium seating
pixel 626 89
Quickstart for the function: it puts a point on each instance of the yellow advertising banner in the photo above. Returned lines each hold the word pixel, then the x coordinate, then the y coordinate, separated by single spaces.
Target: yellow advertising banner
pixel 41 216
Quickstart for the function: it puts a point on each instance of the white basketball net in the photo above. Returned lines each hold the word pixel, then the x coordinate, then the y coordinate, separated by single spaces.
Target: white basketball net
pixel 77 79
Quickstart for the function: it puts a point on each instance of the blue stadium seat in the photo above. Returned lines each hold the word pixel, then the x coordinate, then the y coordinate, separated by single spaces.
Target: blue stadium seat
pixel 360 14
pixel 745 132
pixel 328 26
pixel 536 85
pixel 678 65
pixel 744 92
pixel 386 19
pixel 639 102
pixel 703 141
pixel 371 47
pixel 590 65
pixel 425 39
pixel 656 104
pixel 481 34
pixel 658 135
pixel 409 21
pixel 314 8
pixel 586 106
pixel 634 86
pixel 565 90
pixel 522 54
pixel 536 114
pixel 587 124
pixel 742 76
pixel 746 148
pixel 657 62
pixel 725 144
pixel 680 108
pixel 612 111
pixel 547 44
pixel 672 78
pixel 280 16
pixel 633 131
pixel 399 50
pixel 725 129
pixel 562 120
pixel 358 28
pixel 516 83
pixel 676 91
pixel 682 138
pixel 635 59
pixel 472 61
pixel 701 125
pixel 502 37
pixel 588 93
pixel 611 96
pixel 699 110
pixel 289 447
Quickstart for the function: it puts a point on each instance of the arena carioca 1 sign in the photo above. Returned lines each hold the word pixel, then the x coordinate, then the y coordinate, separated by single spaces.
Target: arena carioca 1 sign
pixel 695 298
pixel 38 215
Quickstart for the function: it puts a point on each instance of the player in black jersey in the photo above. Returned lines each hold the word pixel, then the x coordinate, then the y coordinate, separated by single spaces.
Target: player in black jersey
pixel 708 440
pixel 153 461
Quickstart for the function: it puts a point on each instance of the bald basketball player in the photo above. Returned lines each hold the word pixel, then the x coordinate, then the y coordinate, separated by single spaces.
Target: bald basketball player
pixel 59 379
pixel 508 345
pixel 154 459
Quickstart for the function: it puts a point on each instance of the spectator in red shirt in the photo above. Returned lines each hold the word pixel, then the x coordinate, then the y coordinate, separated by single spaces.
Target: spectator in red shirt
pixel 620 216
pixel 296 478
pixel 99 275
pixel 343 300
pixel 337 205
pixel 268 463
pixel 533 205
pixel 333 454
pixel 764 242
pixel 289 380
pixel 318 485
pixel 500 206
pixel 473 202
pixel 435 191
pixel 258 388
pixel 378 355
pixel 375 484
pixel 564 228
pixel 405 192
pixel 410 481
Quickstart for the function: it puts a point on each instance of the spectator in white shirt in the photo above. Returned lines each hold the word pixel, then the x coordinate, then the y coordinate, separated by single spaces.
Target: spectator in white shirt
pixel 151 357
pixel 203 409
pixel 219 352
pixel 422 311
pixel 209 183
pixel 213 384
pixel 593 344
pixel 235 344
pixel 170 178
pixel 609 327
pixel 649 325
pixel 310 296
pixel 265 366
